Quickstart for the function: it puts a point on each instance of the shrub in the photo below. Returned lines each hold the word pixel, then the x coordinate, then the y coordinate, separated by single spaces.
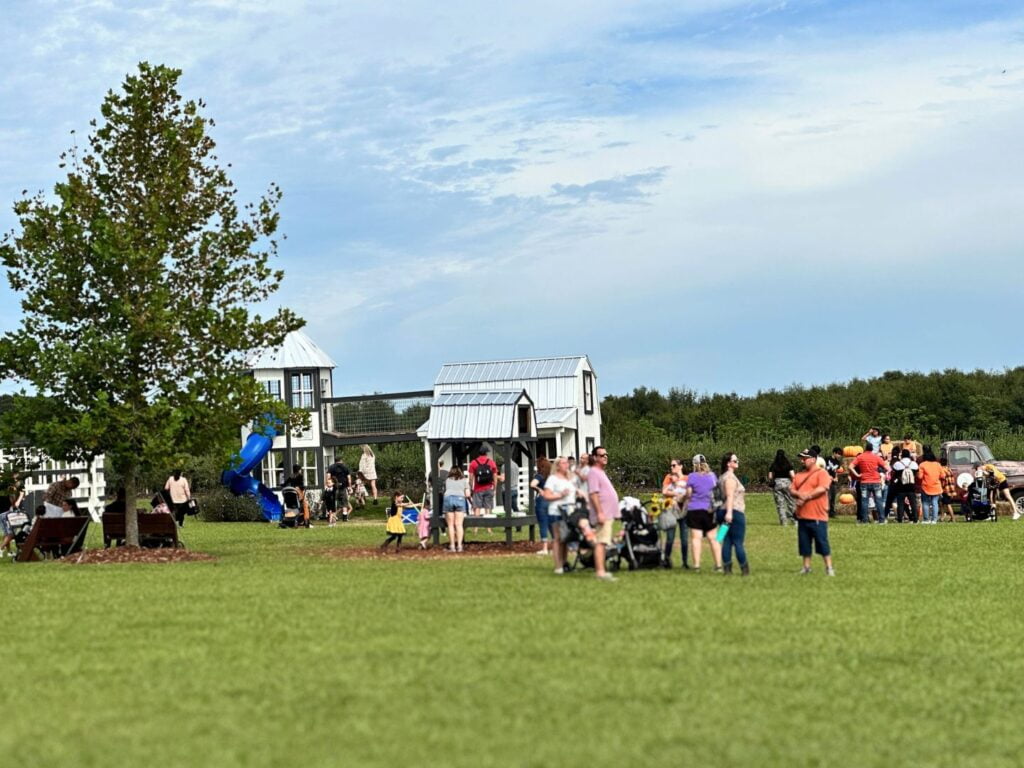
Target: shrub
pixel 219 505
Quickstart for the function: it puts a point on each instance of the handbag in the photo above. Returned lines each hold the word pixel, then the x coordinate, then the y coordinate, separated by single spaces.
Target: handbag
pixel 193 507
pixel 667 520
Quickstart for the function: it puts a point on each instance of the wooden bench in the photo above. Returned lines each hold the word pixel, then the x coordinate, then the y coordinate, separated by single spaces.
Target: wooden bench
pixel 509 523
pixel 156 529
pixel 53 536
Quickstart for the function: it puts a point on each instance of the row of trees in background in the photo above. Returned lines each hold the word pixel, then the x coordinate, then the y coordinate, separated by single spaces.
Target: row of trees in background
pixel 645 428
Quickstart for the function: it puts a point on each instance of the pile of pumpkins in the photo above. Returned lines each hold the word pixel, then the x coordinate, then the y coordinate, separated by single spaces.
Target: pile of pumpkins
pixel 846 498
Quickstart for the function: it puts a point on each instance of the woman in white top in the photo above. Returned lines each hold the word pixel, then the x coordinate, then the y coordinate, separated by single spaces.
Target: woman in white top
pixel 560 492
pixel 368 466
pixel 181 495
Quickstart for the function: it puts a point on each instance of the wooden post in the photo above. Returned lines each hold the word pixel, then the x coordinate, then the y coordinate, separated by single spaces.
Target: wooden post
pixel 530 447
pixel 506 494
pixel 435 521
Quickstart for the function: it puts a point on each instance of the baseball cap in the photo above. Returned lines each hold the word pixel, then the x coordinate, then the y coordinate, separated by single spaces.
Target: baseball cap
pixel 807 453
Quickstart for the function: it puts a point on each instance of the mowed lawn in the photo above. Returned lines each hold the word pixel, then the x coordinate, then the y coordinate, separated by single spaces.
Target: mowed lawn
pixel 278 655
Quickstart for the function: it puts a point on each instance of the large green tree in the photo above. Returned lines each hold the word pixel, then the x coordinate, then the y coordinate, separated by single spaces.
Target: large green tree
pixel 138 279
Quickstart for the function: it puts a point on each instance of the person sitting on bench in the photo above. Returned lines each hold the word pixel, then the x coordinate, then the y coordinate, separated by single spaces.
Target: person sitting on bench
pixel 57 494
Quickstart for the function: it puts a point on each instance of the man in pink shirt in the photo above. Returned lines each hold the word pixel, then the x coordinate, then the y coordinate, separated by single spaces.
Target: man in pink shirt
pixel 868 469
pixel 604 508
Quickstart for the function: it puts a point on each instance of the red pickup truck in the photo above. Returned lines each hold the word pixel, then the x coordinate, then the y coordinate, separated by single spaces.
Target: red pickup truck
pixel 962 455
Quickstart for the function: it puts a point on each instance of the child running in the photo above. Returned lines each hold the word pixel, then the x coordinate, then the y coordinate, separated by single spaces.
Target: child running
pixel 395 527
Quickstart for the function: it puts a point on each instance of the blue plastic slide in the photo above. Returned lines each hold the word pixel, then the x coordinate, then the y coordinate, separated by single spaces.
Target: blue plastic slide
pixel 239 479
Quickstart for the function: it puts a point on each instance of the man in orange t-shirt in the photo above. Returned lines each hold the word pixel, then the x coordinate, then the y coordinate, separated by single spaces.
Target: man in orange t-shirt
pixel 810 489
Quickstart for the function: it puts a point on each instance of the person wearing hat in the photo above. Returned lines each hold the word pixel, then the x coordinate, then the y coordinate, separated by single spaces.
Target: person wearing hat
pixel 700 513
pixel 810 489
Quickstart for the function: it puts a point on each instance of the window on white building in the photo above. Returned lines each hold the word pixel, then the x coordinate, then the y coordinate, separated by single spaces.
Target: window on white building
pixel 588 392
pixel 273 387
pixel 273 469
pixel 302 390
pixel 306 458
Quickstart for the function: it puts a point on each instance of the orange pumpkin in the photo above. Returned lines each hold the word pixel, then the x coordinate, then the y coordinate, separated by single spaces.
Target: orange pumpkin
pixel 851 451
pixel 847 498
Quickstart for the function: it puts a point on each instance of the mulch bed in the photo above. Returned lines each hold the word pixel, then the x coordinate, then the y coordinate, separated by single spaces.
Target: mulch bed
pixel 472 549
pixel 135 555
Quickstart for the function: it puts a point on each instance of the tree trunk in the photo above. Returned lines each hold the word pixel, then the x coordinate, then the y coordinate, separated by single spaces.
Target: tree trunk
pixel 131 514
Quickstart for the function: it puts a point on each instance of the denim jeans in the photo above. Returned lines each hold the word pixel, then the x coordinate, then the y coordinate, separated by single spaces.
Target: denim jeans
pixel 875 490
pixel 734 537
pixel 930 507
pixel 543 521
pixel 670 540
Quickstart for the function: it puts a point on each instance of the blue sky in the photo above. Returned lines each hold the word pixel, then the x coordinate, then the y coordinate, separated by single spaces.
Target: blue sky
pixel 724 196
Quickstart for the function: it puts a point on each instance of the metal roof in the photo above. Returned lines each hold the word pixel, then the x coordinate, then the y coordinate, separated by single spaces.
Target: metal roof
pixel 477 416
pixel 297 351
pixel 549 417
pixel 509 370
pixel 500 397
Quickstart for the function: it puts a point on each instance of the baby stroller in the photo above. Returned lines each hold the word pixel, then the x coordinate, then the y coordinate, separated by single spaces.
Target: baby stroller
pixel 641 545
pixel 20 524
pixel 292 516
pixel 580 550
pixel 977 505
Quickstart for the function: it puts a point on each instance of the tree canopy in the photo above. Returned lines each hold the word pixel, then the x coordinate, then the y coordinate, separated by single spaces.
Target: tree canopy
pixel 138 281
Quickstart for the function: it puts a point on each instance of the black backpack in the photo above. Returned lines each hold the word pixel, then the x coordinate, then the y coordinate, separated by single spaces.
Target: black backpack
pixel 483 474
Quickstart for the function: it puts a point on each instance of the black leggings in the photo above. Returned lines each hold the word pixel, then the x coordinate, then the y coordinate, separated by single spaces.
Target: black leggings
pixel 395 537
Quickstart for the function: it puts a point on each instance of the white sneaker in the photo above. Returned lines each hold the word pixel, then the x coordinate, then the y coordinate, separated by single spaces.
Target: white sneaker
pixel 559 571
pixel 1016 515
pixel 606 577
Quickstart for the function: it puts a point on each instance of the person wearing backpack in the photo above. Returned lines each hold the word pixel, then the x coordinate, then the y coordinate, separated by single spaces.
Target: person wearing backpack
pixel 483 476
pixel 904 473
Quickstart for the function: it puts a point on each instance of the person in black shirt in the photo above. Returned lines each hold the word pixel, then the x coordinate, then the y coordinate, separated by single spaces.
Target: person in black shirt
pixel 342 478
pixel 832 465
pixel 297 481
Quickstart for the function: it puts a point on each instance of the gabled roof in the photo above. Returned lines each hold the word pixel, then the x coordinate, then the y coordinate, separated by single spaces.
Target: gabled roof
pixel 476 415
pixel 509 370
pixel 297 351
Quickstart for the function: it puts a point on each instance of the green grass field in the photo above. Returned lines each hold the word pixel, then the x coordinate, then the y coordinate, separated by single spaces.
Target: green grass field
pixel 278 655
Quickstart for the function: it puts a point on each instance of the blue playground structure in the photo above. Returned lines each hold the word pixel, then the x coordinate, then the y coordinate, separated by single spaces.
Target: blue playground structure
pixel 239 479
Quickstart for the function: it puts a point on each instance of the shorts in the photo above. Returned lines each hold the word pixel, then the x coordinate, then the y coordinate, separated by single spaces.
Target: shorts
pixel 454 504
pixel 700 520
pixel 603 532
pixel 483 499
pixel 812 532
pixel 950 500
pixel 341 498
pixel 1003 486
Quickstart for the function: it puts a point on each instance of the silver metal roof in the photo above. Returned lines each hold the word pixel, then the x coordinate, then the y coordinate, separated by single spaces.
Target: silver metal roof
pixel 476 416
pixel 500 397
pixel 297 351
pixel 550 417
pixel 509 370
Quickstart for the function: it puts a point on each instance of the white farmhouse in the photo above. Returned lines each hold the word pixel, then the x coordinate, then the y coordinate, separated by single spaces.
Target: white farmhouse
pixel 300 373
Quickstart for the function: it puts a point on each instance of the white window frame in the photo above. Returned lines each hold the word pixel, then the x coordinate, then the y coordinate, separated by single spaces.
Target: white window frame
pixel 301 456
pixel 302 395
pixel 272 468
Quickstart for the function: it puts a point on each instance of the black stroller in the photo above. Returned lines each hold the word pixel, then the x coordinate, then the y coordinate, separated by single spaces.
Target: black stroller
pixel 292 516
pixel 641 545
pixel 580 548
pixel 977 506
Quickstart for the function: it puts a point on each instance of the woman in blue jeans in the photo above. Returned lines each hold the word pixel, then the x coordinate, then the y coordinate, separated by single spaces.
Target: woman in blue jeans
pixel 541 504
pixel 733 513
pixel 676 492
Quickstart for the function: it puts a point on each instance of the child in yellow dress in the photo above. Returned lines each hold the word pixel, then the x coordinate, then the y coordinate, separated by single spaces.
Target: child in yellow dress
pixel 395 527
